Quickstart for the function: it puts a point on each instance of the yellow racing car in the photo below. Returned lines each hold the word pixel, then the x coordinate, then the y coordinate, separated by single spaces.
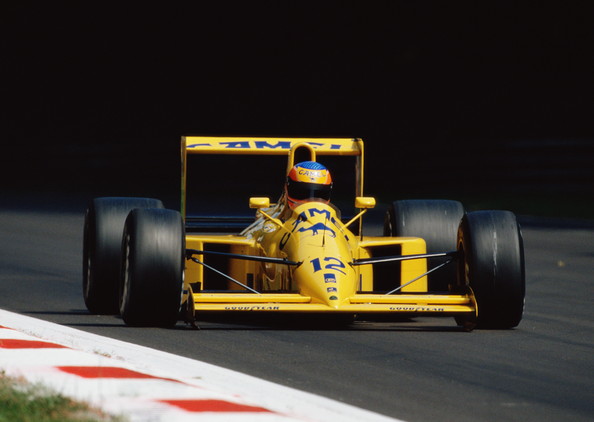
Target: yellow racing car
pixel 300 254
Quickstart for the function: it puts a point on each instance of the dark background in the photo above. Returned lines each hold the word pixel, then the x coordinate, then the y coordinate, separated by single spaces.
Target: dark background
pixel 488 102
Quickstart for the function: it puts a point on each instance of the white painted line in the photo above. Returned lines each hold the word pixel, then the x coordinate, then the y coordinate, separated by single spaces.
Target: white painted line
pixel 170 377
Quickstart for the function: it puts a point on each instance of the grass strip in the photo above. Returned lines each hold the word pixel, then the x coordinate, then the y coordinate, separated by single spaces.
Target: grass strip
pixel 24 402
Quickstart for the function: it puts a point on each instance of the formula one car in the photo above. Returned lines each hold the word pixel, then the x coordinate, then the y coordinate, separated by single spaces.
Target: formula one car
pixel 302 254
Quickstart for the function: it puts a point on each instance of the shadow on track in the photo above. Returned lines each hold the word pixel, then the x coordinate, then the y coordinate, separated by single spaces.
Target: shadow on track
pixel 308 322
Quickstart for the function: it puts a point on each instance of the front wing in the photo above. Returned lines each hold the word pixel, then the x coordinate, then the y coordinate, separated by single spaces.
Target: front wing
pixel 416 304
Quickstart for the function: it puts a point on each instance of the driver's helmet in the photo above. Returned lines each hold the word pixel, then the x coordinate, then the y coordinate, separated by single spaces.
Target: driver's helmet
pixel 308 181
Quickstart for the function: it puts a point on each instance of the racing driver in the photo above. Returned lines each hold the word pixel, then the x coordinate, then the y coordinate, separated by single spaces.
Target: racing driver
pixel 308 181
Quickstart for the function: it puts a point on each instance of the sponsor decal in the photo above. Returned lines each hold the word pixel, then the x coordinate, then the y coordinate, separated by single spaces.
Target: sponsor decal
pixel 331 289
pixel 417 308
pixel 326 213
pixel 314 174
pixel 285 145
pixel 198 145
pixel 333 298
pixel 252 308
pixel 267 145
pixel 329 278
pixel 316 228
pixel 269 227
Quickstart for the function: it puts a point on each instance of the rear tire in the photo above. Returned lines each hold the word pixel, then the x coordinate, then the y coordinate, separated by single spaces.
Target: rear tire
pixel 102 250
pixel 152 268
pixel 491 262
pixel 434 220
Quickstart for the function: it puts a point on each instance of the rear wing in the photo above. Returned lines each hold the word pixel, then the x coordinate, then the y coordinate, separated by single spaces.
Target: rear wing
pixel 269 146
pixel 217 145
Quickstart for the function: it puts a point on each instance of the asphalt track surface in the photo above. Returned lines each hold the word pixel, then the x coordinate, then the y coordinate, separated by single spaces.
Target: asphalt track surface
pixel 416 370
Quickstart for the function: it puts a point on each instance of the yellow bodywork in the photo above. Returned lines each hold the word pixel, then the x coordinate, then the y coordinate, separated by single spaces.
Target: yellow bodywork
pixel 323 249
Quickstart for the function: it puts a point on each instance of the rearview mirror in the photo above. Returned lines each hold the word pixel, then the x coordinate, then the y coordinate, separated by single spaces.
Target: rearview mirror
pixel 364 202
pixel 259 202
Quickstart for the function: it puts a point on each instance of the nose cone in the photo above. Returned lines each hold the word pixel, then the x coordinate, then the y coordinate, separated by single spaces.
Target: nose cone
pixel 327 280
pixel 320 241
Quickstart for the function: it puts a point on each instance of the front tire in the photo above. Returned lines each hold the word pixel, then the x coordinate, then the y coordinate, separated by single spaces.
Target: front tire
pixel 152 268
pixel 491 262
pixel 102 249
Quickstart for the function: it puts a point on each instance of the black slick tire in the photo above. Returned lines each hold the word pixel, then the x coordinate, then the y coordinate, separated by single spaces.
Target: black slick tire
pixel 102 249
pixel 491 262
pixel 434 220
pixel 152 268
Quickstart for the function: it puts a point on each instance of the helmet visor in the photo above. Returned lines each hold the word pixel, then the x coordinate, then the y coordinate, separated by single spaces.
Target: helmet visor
pixel 302 191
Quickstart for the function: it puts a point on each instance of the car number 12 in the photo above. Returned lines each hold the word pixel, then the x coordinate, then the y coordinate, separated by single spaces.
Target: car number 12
pixel 330 264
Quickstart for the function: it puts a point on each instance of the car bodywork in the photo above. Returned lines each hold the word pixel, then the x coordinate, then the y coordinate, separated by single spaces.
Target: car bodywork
pixel 308 259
